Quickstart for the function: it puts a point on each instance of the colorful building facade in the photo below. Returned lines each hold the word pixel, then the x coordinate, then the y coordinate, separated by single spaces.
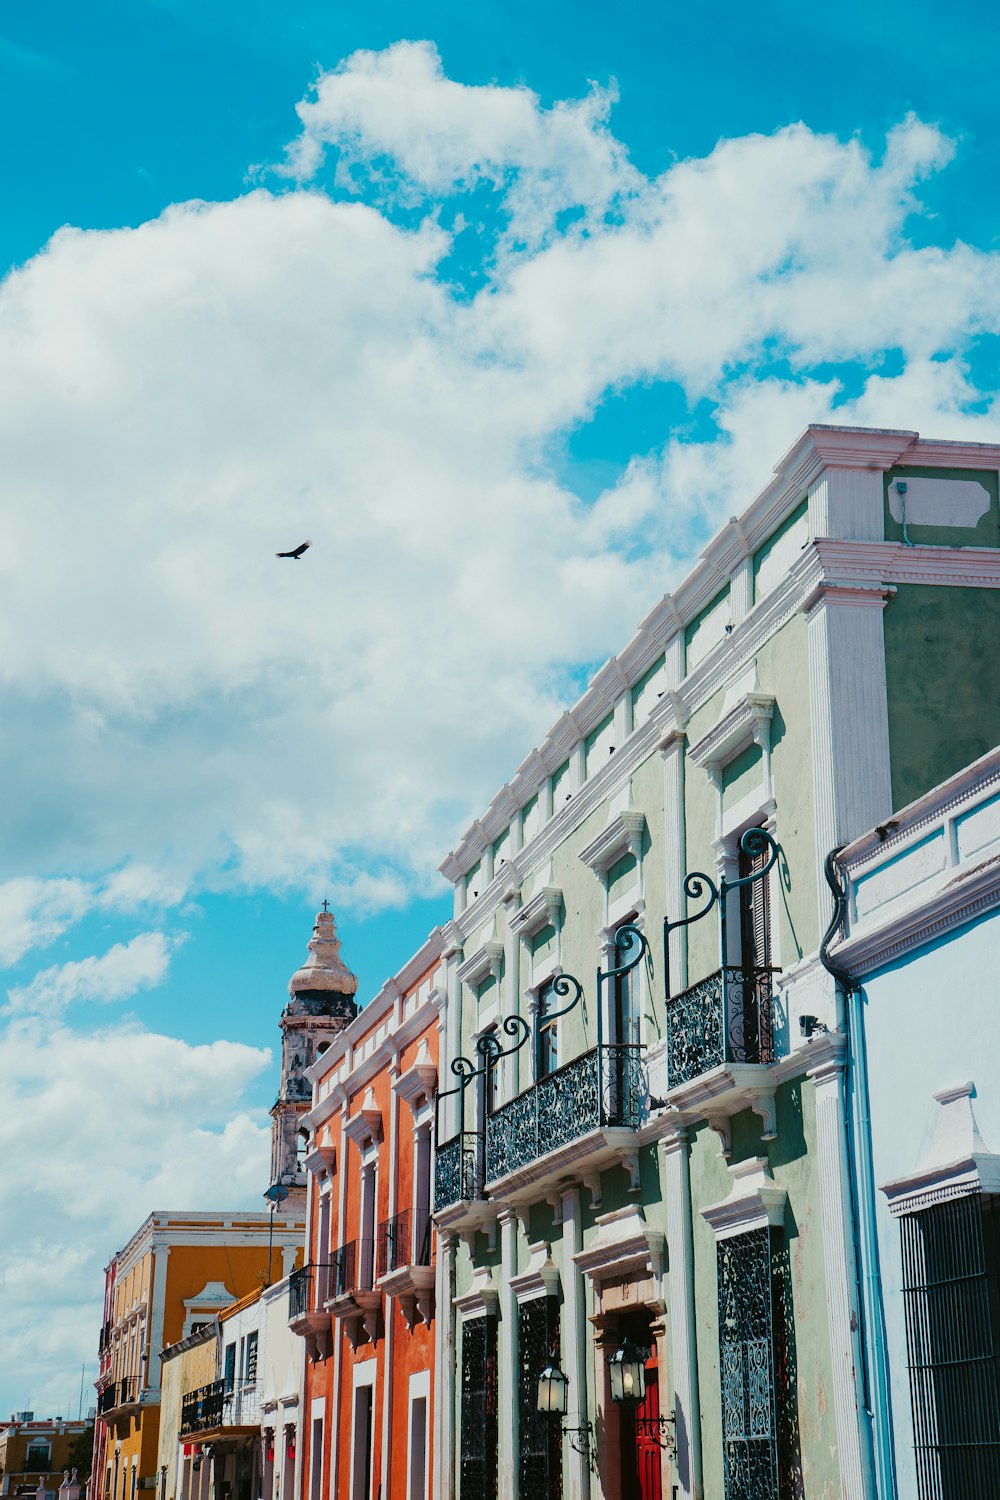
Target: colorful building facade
pixel 643 1170
pixel 178 1271
pixel 34 1455
pixel 364 1303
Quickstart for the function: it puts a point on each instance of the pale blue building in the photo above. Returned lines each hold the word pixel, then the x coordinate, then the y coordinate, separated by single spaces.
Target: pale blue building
pixel 922 945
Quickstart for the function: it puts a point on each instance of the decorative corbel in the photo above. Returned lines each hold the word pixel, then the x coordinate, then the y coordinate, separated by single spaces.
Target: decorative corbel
pixel 592 1182
pixel 723 1128
pixel 763 1103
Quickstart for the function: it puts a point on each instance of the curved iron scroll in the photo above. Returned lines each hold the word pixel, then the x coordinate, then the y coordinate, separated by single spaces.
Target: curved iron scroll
pixel 561 985
pixel 627 937
pixel 753 842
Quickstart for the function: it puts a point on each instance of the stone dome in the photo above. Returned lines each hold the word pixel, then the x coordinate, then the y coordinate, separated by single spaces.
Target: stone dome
pixel 324 971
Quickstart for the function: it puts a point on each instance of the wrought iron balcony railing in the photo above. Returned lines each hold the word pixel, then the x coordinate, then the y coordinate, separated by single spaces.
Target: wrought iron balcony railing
pixel 458 1169
pixel 604 1087
pixel 201 1409
pixel 118 1393
pixel 726 1018
pixel 404 1241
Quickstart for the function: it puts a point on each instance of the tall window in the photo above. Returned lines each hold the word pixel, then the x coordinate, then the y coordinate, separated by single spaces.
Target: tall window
pixel 362 1466
pixel 951 1297
pixel 548 1036
pixel 417 1481
pixel 755 913
pixel 746 1366
pixel 250 1366
pixel 478 1436
pixel 316 1466
pixel 540 1437
pixel 229 1367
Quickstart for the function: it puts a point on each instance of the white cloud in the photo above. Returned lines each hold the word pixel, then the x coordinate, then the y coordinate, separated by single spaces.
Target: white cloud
pixel 35 912
pixel 181 400
pixel 96 1132
pixel 126 968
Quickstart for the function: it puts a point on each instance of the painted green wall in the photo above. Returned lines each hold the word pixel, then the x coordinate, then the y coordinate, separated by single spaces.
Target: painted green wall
pixel 942 680
pixel 793 1164
pixel 744 772
pixel 985 534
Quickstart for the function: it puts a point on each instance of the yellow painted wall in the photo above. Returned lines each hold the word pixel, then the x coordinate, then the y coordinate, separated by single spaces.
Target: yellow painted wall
pixel 185 1372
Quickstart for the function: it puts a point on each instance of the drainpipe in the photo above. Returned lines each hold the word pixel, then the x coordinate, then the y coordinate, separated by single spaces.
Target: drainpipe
pixel 861 1173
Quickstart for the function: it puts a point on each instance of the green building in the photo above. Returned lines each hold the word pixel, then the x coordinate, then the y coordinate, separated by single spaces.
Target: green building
pixel 641 1176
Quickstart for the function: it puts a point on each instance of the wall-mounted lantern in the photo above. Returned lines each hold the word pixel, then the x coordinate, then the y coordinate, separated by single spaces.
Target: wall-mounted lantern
pixel 628 1375
pixel 553 1388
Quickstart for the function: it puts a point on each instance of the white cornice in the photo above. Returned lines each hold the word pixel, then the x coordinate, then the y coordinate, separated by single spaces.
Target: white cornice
pixel 541 1279
pixel 482 1298
pixel 624 1242
pixel 959 1161
pixel 744 723
pixel 817 449
pixel 486 960
pixel 541 911
pixel 620 836
pixel 969 894
pixel 755 1200
pixel 365 1127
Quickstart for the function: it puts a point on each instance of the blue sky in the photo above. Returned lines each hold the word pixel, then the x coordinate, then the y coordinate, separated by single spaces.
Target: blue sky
pixel 507 323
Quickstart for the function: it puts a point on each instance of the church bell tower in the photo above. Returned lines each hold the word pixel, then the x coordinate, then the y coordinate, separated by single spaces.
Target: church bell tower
pixel 320 1004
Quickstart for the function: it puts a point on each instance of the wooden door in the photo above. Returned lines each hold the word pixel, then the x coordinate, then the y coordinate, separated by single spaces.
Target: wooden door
pixel 640 1441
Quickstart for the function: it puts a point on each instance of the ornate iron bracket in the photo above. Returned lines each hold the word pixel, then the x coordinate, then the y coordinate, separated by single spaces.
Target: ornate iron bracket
pixel 660 1430
pixel 753 842
pixel 581 1440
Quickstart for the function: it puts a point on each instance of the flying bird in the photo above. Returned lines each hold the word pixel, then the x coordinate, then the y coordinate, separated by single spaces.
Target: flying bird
pixel 296 552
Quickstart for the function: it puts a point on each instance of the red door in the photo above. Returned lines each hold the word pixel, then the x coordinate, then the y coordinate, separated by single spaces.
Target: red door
pixel 647 1432
pixel 641 1452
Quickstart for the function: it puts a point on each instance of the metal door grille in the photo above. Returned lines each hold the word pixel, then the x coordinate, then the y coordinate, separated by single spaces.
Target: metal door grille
pixel 746 1367
pixel 952 1299
pixel 540 1436
pixel 478 1439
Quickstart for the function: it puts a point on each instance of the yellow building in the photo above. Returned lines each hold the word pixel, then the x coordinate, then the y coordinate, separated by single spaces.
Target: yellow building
pixel 34 1452
pixel 175 1274
pixel 186 1366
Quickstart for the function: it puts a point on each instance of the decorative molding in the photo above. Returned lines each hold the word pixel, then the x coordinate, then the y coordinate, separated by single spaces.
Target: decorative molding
pixel 321 1160
pixel 959 1161
pixel 621 835
pixel 541 1279
pixel 755 1200
pixel 747 722
pixel 417 1086
pixel 541 911
pixel 482 1298
pixel 365 1127
pixel 486 961
pixel 624 1242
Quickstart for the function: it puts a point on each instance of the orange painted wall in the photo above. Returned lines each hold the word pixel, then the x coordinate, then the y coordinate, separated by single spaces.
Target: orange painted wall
pixel 412 1350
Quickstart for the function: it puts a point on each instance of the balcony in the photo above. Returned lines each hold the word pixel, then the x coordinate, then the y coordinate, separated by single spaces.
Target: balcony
pixel 586 1109
pixel 352 1295
pixel 458 1170
pixel 404 1263
pixel 219 1410
pixel 720 1036
pixel 119 1395
pixel 308 1312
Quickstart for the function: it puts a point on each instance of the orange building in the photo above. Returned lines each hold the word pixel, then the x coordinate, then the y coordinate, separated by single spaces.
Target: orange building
pixel 176 1272
pixel 364 1303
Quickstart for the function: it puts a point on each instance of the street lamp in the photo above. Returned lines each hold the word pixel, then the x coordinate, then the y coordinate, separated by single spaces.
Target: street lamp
pixel 628 1375
pixel 553 1388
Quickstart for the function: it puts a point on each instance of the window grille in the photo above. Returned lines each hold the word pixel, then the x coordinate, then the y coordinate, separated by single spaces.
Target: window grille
pixel 951 1297
pixel 540 1438
pixel 746 1366
pixel 478 1438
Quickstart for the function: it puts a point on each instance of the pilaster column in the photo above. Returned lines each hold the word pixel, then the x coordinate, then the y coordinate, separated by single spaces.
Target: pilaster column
pixel 512 964
pixel 849 718
pixel 854 1444
pixel 507 1412
pixel 158 1298
pixel 741 590
pixel 684 1351
pixel 445 1455
pixel 452 958
pixel 575 1340
pixel 675 850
